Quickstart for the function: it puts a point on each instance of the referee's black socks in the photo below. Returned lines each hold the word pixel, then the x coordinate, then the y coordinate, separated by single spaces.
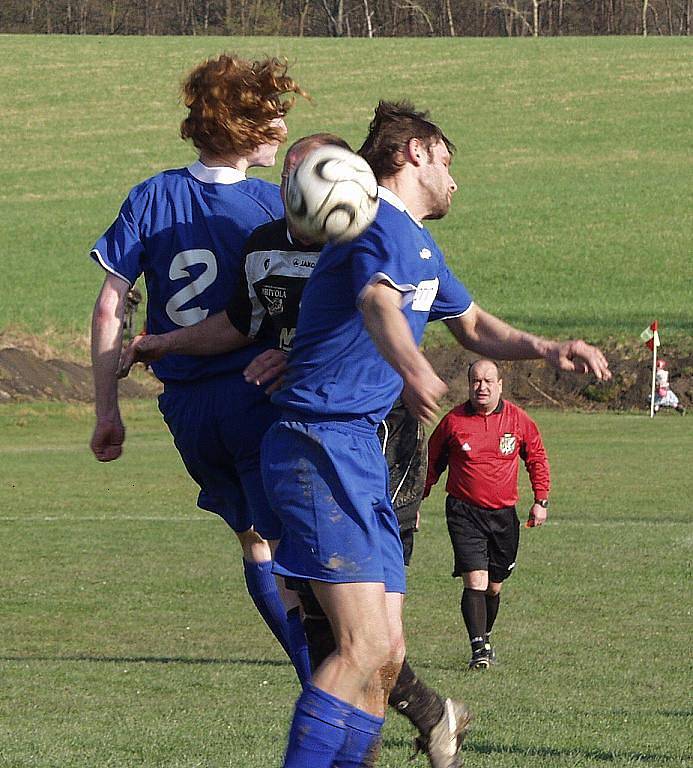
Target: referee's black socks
pixel 473 607
pixel 492 605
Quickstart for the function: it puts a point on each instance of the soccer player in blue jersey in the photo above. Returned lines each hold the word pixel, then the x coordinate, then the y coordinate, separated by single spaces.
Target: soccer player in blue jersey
pixel 276 268
pixel 185 230
pixel 362 316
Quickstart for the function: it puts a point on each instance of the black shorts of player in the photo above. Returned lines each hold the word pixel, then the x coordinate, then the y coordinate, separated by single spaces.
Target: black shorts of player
pixel 407 543
pixel 483 539
pixel 404 446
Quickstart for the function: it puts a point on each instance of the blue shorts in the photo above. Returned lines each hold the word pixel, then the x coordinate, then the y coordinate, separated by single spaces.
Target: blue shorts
pixel 328 482
pixel 217 425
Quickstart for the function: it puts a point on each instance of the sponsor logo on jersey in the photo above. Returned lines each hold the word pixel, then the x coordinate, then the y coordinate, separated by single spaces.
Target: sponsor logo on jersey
pixel 266 263
pixel 507 443
pixel 274 296
pixel 425 253
pixel 304 263
pixel 286 339
pixel 466 446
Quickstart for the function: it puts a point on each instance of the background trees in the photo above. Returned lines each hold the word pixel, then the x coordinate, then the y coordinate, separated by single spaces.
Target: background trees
pixel 349 18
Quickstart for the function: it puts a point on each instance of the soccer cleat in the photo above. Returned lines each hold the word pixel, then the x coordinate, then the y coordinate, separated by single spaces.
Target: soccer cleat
pixel 443 743
pixel 481 659
pixel 491 651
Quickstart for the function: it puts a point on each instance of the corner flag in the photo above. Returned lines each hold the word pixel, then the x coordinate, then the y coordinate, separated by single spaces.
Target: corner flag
pixel 650 336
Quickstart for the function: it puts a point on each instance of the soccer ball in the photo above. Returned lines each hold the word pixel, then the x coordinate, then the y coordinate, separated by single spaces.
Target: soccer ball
pixel 331 194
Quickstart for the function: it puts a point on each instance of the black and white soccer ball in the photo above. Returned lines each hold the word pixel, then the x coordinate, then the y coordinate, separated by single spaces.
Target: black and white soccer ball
pixel 332 195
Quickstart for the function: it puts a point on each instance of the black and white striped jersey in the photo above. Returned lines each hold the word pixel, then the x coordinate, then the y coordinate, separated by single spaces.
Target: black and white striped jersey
pixel 273 275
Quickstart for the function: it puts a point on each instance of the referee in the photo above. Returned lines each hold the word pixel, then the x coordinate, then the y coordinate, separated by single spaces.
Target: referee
pixel 481 441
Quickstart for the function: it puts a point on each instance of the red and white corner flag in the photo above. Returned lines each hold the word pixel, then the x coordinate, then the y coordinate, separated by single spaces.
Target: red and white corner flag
pixel 651 336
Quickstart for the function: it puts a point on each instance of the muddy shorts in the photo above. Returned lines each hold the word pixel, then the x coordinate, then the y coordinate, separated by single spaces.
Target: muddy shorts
pixel 328 483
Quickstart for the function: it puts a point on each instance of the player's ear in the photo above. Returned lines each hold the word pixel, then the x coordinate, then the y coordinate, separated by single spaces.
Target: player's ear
pixel 415 151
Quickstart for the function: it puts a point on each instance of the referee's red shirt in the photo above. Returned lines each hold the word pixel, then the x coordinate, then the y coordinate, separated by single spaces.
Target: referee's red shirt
pixel 482 453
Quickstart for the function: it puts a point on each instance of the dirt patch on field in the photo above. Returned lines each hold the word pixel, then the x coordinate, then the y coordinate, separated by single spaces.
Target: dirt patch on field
pixel 28 375
pixel 28 371
pixel 532 382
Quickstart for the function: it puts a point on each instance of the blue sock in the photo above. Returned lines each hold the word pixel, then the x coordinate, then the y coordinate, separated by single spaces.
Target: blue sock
pixel 298 645
pixel 318 729
pixel 262 588
pixel 361 746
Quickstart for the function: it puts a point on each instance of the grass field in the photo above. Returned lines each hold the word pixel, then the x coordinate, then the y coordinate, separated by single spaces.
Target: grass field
pixel 126 638
pixel 574 212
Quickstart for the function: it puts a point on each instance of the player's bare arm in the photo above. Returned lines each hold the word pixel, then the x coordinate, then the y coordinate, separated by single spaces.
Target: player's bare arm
pixel 106 341
pixel 387 326
pixel 213 336
pixel 486 334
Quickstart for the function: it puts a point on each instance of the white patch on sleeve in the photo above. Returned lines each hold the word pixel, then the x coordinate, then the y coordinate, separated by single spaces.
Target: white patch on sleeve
pixel 424 295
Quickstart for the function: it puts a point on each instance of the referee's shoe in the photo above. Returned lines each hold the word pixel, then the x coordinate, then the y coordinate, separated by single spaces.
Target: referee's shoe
pixel 483 658
pixel 443 743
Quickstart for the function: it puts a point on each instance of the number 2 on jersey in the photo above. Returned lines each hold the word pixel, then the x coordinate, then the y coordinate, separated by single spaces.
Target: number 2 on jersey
pixel 180 267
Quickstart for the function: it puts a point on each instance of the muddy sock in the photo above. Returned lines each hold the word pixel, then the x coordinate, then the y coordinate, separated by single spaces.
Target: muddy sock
pixel 421 705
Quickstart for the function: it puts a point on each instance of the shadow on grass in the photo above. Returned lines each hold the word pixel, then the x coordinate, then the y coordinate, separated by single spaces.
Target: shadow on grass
pixel 602 755
pixel 152 660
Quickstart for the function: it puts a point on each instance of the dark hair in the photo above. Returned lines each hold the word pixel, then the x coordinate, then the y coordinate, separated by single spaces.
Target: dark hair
pixel 232 102
pixel 394 124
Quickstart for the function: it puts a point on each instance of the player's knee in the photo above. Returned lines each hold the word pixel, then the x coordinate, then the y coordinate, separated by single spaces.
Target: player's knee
pixel 493 589
pixel 367 650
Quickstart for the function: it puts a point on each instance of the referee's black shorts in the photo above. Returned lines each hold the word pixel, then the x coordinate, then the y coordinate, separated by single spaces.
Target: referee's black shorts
pixel 483 539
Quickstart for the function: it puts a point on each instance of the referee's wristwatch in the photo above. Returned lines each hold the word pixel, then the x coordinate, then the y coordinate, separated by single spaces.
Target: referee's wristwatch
pixel 542 502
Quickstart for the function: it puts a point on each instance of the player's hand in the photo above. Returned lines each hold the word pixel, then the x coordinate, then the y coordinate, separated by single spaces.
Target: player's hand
pixel 145 348
pixel 268 366
pixel 577 355
pixel 421 393
pixel 108 438
pixel 537 516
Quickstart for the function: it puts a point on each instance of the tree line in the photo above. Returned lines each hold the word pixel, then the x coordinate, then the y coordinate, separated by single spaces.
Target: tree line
pixel 348 18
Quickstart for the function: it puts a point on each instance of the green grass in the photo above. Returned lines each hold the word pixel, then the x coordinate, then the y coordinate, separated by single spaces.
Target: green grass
pixel 127 640
pixel 574 211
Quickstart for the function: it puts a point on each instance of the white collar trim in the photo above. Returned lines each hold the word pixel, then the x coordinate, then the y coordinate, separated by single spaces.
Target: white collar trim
pixel 390 197
pixel 222 174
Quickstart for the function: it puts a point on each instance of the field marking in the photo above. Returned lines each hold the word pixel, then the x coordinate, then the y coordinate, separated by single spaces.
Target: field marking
pixel 127 518
pixel 208 519
pixel 82 446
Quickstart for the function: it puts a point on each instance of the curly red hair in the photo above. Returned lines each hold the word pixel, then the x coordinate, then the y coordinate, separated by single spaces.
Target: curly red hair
pixel 232 103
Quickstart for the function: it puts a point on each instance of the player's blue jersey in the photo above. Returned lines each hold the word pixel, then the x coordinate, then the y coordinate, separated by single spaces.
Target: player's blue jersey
pixel 334 368
pixel 185 230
